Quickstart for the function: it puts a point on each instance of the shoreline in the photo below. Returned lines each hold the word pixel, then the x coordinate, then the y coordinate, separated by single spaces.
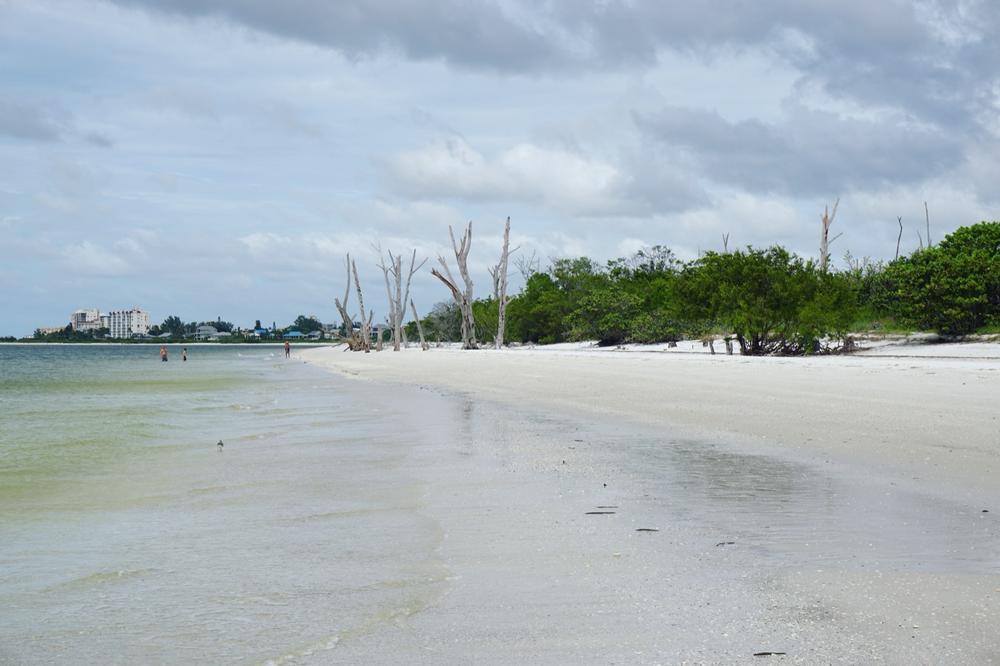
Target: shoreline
pixel 760 539
pixel 927 423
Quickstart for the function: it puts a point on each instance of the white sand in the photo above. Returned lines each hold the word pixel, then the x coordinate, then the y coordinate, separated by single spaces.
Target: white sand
pixel 932 421
pixel 847 491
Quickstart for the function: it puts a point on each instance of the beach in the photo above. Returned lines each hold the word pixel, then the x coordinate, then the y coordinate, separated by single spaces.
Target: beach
pixel 563 505
pixel 837 509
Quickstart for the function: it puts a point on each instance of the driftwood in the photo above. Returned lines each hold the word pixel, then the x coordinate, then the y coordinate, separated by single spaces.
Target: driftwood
pixel 462 298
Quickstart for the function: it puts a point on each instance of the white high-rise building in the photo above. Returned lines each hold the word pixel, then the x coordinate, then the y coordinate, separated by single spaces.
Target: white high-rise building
pixel 88 319
pixel 126 323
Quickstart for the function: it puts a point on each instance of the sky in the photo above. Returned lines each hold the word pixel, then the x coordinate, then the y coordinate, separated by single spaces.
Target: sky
pixel 207 158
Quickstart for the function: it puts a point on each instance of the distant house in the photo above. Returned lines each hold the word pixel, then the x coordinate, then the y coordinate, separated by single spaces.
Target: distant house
pixel 316 335
pixel 294 335
pixel 205 332
pixel 261 332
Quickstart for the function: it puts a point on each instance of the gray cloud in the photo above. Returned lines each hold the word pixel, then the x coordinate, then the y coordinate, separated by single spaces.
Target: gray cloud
pixel 464 33
pixel 811 153
pixel 23 121
pixel 930 58
pixel 98 139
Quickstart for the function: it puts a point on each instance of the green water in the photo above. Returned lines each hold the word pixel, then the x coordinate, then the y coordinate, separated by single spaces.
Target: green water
pixel 128 537
pixel 71 414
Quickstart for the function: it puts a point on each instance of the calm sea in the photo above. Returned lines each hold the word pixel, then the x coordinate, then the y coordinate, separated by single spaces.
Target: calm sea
pixel 127 536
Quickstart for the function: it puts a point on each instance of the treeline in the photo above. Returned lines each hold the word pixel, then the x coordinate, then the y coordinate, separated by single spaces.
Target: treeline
pixel 766 300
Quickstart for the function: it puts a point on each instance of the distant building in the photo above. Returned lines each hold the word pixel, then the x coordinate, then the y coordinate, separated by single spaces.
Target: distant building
pixel 47 330
pixel 88 319
pixel 128 323
pixel 205 332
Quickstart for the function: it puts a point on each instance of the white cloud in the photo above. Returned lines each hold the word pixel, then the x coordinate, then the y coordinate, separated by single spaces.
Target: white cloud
pixel 524 173
pixel 92 259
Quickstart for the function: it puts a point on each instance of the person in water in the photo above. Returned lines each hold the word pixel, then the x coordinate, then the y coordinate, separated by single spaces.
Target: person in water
pixel 288 349
pixel 184 354
pixel 163 353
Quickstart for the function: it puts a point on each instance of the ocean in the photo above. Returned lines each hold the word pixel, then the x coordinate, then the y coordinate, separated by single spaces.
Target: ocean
pixel 127 536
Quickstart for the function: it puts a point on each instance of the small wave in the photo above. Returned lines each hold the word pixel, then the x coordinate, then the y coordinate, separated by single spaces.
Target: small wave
pixel 208 490
pixel 321 646
pixel 102 578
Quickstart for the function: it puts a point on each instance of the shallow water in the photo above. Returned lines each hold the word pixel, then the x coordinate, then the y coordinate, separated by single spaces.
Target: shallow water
pixel 126 536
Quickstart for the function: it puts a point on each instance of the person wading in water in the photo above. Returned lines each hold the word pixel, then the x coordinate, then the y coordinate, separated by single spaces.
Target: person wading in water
pixel 163 353
pixel 288 349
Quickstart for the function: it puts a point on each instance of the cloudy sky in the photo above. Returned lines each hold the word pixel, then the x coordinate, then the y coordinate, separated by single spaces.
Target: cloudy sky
pixel 219 157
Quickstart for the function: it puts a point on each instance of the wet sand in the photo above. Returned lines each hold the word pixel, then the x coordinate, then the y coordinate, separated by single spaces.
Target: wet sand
pixel 828 508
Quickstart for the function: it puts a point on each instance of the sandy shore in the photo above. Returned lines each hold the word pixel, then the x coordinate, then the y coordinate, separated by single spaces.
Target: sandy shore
pixel 830 508
pixel 931 421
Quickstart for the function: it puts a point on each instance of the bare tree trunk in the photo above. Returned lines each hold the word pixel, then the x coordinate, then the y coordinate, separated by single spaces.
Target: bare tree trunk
pixel 353 341
pixel 500 280
pixel 366 321
pixel 462 298
pixel 824 239
pixel 420 327
pixel 725 243
pixel 927 215
pixel 397 306
pixel 390 299
pixel 378 341
pixel 900 236
pixel 394 291
pixel 414 267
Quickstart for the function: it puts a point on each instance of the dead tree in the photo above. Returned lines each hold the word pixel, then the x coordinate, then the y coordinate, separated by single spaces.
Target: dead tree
pixel 899 218
pixel 414 267
pixel 349 335
pixel 394 292
pixel 499 275
pixel 392 297
pixel 824 239
pixel 462 298
pixel 927 216
pixel 356 340
pixel 725 243
pixel 420 327
pixel 527 266
pixel 378 343
pixel 366 320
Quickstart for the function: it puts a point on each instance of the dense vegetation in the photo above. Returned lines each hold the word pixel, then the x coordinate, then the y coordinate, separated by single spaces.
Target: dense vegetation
pixel 766 300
